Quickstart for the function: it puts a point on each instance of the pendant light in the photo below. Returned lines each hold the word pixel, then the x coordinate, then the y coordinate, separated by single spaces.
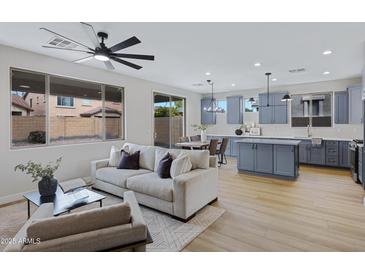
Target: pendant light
pixel 268 88
pixel 213 107
pixel 286 98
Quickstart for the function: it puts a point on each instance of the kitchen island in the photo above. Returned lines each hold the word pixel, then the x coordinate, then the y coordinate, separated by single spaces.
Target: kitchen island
pixel 269 157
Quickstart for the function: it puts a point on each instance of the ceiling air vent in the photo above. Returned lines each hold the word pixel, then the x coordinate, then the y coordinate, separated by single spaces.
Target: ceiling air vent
pixel 61 43
pixel 297 70
pixel 197 85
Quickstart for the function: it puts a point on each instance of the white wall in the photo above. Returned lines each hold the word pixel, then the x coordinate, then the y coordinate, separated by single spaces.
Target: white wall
pixel 76 158
pixel 337 131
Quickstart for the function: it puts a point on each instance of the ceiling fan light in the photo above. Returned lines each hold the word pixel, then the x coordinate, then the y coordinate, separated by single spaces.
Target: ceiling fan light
pixel 101 57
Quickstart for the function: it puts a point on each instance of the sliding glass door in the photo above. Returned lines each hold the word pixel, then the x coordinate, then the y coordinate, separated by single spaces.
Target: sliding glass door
pixel 169 119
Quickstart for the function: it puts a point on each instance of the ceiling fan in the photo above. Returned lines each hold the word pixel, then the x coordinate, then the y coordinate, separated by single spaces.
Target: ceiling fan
pixel 101 52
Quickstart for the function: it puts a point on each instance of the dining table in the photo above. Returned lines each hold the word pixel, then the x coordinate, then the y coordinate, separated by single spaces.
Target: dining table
pixel 195 144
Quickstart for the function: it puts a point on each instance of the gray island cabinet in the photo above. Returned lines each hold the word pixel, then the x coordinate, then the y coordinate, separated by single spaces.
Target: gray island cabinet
pixel 270 157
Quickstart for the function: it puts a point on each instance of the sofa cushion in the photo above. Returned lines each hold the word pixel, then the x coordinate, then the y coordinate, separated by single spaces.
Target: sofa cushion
pixel 180 165
pixel 129 160
pixel 164 166
pixel 151 184
pixel 75 223
pixel 147 155
pixel 116 176
pixel 162 152
pixel 114 157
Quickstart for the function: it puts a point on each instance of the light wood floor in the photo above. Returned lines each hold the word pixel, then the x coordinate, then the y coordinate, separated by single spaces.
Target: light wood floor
pixel 321 211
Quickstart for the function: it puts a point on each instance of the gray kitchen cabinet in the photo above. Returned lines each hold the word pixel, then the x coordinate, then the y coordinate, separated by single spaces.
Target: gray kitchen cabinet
pixel 234 110
pixel 276 112
pixel 246 159
pixel 234 147
pixel 344 160
pixel 317 154
pixel 342 107
pixel 207 118
pixel 332 153
pixel 360 165
pixel 304 147
pixel 263 158
pixel 355 104
pixel 284 165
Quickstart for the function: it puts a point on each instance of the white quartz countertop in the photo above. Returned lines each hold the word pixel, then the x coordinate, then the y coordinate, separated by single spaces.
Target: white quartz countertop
pixel 269 141
pixel 281 137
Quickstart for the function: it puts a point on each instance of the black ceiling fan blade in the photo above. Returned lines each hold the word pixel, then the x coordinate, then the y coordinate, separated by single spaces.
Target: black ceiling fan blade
pixel 134 56
pixel 76 50
pixel 125 44
pixel 129 64
pixel 109 65
pixel 90 31
pixel 60 35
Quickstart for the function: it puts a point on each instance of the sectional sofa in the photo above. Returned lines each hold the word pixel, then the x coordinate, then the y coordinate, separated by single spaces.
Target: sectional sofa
pixel 181 196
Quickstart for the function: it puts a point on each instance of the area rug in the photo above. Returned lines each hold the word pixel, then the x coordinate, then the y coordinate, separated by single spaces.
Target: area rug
pixel 168 234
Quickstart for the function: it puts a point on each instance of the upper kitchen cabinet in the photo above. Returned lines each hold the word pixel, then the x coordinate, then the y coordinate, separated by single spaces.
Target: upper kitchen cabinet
pixel 235 110
pixel 207 118
pixel 274 113
pixel 355 104
pixel 342 107
pixel 312 109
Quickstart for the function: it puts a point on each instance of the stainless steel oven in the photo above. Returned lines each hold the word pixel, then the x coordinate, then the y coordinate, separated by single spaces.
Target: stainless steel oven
pixel 354 158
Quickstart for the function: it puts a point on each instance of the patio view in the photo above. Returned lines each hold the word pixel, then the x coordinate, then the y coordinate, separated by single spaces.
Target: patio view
pixel 76 112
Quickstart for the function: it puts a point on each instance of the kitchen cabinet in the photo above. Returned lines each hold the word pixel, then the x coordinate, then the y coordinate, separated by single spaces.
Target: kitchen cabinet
pixel 332 153
pixel 342 107
pixel 283 160
pixel 276 112
pixel 207 118
pixel 234 110
pixel 355 104
pixel 360 163
pixel 317 154
pixel 234 146
pixel 263 158
pixel 304 151
pixel 269 157
pixel 344 160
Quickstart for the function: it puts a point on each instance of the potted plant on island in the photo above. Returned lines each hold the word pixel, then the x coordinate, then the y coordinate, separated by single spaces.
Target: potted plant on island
pixel 203 131
pixel 44 175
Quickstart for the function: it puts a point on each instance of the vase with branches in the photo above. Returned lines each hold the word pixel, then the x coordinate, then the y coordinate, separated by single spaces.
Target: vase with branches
pixel 43 174
pixel 203 131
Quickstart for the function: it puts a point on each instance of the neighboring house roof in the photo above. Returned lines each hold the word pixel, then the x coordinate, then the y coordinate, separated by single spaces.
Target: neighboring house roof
pixel 98 110
pixel 20 102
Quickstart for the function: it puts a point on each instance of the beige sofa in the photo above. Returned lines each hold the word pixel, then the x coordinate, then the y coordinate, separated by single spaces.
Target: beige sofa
pixel 115 227
pixel 180 197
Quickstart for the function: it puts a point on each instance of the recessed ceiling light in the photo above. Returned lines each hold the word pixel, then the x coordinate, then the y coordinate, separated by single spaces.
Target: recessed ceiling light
pixel 207 73
pixel 257 64
pixel 233 85
pixel 327 52
pixel 274 79
pixel 326 73
pixel 24 86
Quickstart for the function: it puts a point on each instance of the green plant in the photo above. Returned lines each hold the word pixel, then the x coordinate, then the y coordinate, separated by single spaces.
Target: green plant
pixel 38 171
pixel 200 127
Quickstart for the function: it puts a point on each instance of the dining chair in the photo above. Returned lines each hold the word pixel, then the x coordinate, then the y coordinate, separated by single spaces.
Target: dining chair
pixel 222 159
pixel 195 138
pixel 184 139
pixel 213 147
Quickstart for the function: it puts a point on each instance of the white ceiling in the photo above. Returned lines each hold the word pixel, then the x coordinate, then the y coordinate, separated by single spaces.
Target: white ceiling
pixel 185 51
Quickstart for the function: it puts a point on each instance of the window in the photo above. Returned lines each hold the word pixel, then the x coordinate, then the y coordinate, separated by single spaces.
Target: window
pixel 221 103
pixel 63 101
pixel 66 120
pixel 28 119
pixel 86 102
pixel 250 106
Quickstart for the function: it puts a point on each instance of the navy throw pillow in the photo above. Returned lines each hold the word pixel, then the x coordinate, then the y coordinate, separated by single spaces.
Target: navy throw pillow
pixel 163 169
pixel 129 161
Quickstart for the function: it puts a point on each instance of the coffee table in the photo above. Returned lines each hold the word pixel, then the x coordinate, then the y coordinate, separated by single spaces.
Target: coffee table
pixel 61 201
